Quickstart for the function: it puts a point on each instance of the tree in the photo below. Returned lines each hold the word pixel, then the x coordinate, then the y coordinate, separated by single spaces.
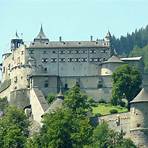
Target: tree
pixel 127 82
pixel 13 128
pixel 68 127
pixel 3 104
pixel 50 98
pixel 103 137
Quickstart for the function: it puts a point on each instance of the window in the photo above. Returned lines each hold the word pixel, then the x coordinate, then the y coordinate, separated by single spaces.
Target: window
pixel 53 51
pixel 77 59
pixel 62 60
pixel 84 60
pixel 70 59
pixel 15 79
pixel 103 51
pixel 66 86
pixel 44 60
pixel 18 60
pixel 62 52
pixel 83 51
pixel 22 52
pixel 76 51
pixel 53 60
pixel 45 69
pixel 46 84
pixel 31 52
pixel 9 67
pixel 69 51
pixel 92 51
pixel 3 69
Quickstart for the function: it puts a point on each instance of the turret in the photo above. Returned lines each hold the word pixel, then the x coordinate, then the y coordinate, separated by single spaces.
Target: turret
pixel 41 37
pixel 109 66
pixel 16 42
pixel 60 95
pixel 139 119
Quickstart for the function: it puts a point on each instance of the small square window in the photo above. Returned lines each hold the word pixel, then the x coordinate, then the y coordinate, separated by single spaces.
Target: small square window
pixel 45 69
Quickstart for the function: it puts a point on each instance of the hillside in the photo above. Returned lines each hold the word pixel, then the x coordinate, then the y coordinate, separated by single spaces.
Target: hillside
pixel 125 44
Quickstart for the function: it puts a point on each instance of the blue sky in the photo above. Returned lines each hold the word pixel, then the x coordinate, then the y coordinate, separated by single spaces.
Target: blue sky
pixel 71 19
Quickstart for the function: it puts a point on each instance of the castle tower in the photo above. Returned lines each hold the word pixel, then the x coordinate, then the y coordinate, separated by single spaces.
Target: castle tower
pixel 108 38
pixel 16 42
pixel 109 66
pixel 139 119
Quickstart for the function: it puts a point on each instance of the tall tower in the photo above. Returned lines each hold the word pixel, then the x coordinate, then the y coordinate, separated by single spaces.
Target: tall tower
pixel 139 119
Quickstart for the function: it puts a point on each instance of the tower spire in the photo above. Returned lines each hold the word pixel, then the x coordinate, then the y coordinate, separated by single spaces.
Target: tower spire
pixel 41 35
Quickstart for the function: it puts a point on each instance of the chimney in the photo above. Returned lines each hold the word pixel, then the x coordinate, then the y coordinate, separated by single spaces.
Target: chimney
pixel 91 38
pixel 60 39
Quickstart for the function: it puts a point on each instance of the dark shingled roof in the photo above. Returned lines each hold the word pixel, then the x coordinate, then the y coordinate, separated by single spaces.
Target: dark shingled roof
pixel 141 97
pixel 114 59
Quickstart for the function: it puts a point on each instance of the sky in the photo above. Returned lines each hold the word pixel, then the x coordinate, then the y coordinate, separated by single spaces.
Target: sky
pixel 71 19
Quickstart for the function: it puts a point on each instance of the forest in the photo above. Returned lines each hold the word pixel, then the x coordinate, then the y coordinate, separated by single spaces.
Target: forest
pixel 134 44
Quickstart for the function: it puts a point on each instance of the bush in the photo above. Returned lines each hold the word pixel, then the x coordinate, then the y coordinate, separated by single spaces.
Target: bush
pixel 98 115
pixel 113 111
pixel 122 104
pixel 50 98
pixel 102 101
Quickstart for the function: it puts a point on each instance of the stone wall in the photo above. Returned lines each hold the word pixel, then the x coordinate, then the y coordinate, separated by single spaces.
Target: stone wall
pixel 118 122
pixel 20 98
pixel 38 104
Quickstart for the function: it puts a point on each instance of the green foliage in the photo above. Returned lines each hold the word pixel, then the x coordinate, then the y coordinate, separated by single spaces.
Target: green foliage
pixel 102 101
pixel 126 84
pixel 13 128
pixel 3 103
pixel 104 109
pixel 50 98
pixel 68 127
pixel 137 51
pixel 103 137
pixel 113 111
pixel 125 44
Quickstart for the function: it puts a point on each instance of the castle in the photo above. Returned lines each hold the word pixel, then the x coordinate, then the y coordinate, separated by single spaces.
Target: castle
pixel 30 72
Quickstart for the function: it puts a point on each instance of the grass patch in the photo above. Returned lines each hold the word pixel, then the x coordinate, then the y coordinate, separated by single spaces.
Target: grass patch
pixel 104 109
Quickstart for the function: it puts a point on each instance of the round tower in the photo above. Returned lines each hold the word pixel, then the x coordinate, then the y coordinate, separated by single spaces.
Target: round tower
pixel 139 119
pixel 109 66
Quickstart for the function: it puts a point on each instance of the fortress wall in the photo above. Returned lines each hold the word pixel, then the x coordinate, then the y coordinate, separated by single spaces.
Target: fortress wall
pixel 109 68
pixel 5 93
pixel 47 84
pixel 20 77
pixel 118 122
pixel 89 85
pixel 7 64
pixel 20 98
pixel 38 104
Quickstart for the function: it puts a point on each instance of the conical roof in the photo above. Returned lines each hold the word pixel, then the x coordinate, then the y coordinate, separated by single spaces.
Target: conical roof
pixel 60 95
pixel 108 35
pixel 141 97
pixel 41 35
pixel 114 59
